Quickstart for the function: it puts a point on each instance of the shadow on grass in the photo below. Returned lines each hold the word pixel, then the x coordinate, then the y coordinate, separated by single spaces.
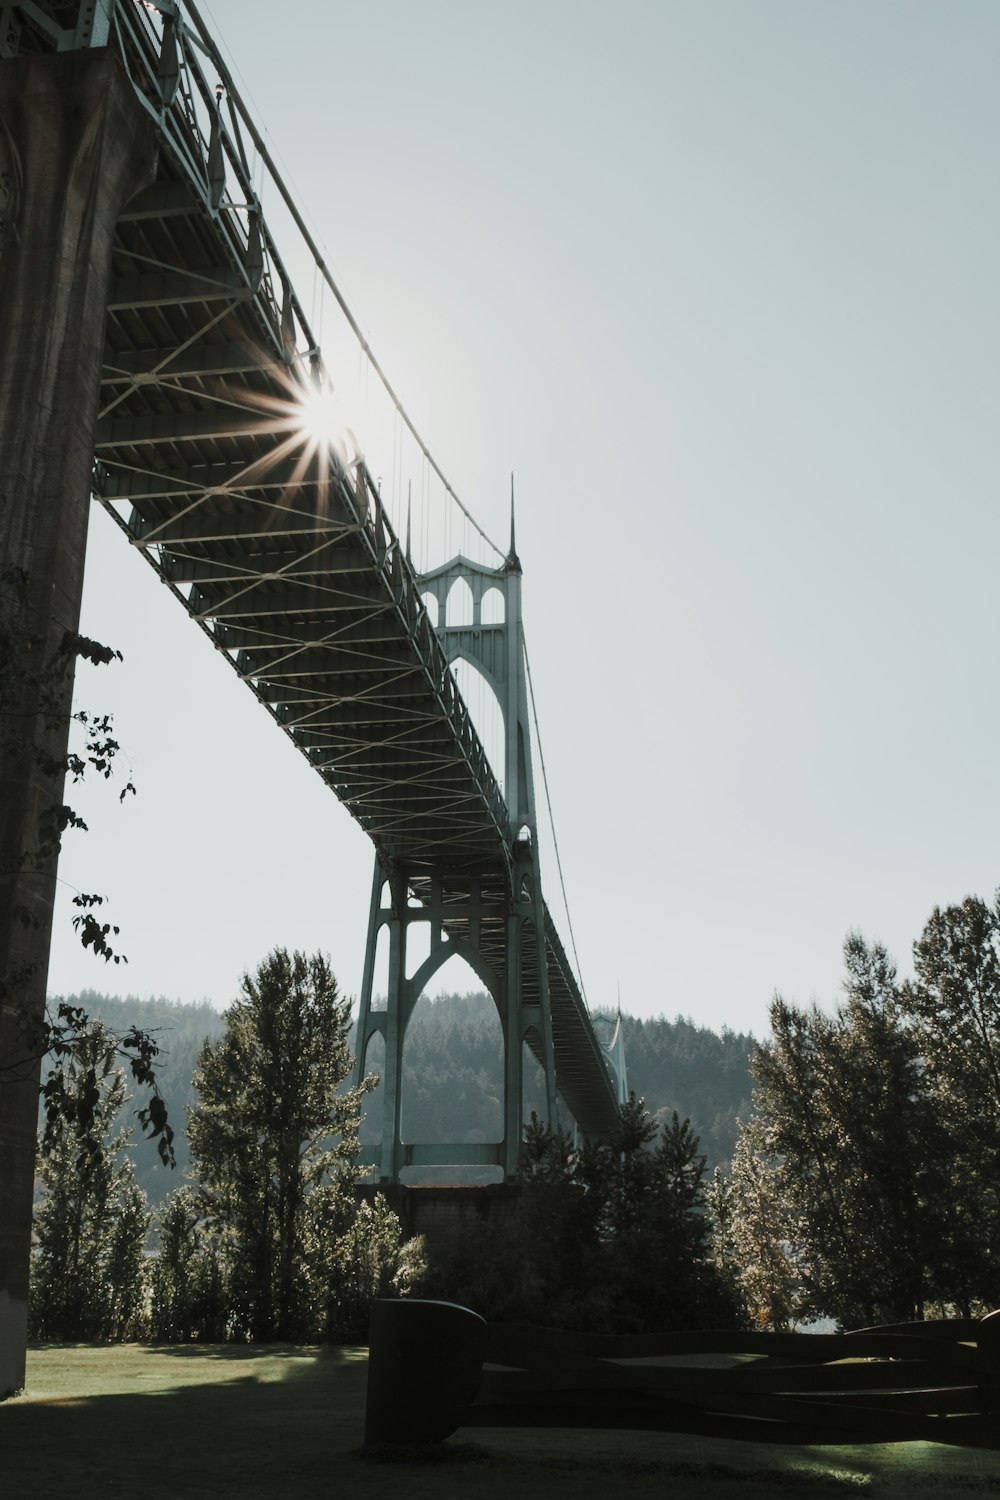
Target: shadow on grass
pixel 187 1423
pixel 237 1352
pixel 220 1421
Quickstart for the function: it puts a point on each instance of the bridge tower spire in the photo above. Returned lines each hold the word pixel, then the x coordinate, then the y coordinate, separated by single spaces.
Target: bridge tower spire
pixel 498 927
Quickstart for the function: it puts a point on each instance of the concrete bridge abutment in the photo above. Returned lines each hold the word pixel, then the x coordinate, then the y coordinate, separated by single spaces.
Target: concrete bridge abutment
pixel 440 1210
pixel 75 144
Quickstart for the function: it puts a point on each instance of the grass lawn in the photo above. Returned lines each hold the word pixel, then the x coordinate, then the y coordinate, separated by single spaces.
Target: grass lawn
pixel 285 1422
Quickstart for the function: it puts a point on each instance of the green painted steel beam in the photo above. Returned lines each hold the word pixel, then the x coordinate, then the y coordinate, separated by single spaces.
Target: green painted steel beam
pixel 462 1154
pixel 115 431
pixel 188 481
pixel 176 289
pixel 258 520
pixel 162 200
pixel 269 597
pixel 297 577
pixel 198 359
pixel 181 567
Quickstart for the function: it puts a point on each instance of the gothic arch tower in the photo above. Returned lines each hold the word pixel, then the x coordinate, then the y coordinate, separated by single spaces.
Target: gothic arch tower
pixel 494 920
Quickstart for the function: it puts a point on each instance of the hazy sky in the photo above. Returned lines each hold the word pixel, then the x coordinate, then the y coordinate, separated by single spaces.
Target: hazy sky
pixel 717 281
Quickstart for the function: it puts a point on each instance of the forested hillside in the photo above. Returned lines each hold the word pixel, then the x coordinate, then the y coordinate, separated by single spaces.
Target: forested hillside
pixel 676 1065
pixel 453 1078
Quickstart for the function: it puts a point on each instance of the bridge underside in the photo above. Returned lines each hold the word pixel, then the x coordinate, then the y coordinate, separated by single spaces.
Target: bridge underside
pixel 278 552
pixel 475 918
pixel 578 1054
pixel 286 560
pixel 275 543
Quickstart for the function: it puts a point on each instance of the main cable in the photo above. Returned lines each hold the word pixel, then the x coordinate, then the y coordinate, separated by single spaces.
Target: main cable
pixel 552 821
pixel 322 267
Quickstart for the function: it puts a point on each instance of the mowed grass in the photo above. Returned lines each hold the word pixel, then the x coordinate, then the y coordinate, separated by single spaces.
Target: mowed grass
pixel 287 1422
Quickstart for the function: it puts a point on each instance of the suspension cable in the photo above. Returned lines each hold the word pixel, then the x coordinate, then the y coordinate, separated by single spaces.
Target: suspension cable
pixel 552 822
pixel 321 265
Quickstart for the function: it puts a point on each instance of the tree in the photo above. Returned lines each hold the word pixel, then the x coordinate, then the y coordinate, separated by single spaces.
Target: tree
pixel 88 1272
pixel 189 1292
pixel 610 1237
pixel 655 1251
pixel 351 1266
pixel 751 1228
pixel 65 1042
pixel 274 1138
pixel 841 1159
pixel 952 1008
pixel 38 653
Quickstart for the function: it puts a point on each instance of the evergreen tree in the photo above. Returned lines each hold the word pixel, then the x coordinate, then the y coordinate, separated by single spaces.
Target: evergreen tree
pixel 953 1009
pixel 843 1138
pixel 611 1237
pixel 655 1255
pixel 88 1266
pixel 188 1282
pixel 273 1142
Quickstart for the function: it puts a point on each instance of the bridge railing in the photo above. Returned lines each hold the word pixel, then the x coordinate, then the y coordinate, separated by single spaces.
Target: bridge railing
pixel 435 1367
pixel 205 125
pixel 185 84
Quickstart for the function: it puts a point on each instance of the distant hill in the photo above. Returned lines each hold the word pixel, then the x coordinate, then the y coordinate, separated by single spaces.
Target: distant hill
pixel 702 1074
pixel 453 1073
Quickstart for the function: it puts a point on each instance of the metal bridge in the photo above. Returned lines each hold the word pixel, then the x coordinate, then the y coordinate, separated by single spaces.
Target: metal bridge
pixel 276 541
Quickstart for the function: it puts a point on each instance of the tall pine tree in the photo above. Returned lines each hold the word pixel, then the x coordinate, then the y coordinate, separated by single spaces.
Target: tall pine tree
pixel 953 1009
pixel 274 1138
pixel 844 1134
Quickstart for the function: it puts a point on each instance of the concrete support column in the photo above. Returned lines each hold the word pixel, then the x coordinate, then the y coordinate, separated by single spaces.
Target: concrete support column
pixel 74 145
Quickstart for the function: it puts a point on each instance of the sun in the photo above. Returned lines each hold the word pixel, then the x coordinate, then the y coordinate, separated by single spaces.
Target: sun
pixel 318 415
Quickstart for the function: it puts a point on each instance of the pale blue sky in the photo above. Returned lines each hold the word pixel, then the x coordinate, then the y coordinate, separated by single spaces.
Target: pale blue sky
pixel 718 282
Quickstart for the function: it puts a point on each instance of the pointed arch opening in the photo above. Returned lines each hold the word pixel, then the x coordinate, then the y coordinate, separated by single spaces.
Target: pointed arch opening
pixel 373 1106
pixel 533 1096
pixel 418 945
pixel 492 610
pixel 453 1075
pixel 380 971
pixel 485 713
pixel 460 609
pixel 430 603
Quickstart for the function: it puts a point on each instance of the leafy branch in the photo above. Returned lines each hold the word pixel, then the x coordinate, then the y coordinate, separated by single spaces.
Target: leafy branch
pixel 68 1038
pixel 34 689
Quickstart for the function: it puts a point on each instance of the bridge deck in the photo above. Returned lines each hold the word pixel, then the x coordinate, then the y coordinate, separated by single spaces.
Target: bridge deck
pixel 276 544
pixel 273 545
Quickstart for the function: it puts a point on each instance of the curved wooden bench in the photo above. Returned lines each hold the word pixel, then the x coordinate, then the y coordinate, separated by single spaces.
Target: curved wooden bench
pixel 435 1367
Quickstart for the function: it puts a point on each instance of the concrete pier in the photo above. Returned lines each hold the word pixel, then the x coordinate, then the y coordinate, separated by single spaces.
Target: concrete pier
pixel 75 145
pixel 440 1210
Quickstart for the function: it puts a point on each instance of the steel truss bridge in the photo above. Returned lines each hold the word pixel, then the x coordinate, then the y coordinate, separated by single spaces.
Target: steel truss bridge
pixel 278 545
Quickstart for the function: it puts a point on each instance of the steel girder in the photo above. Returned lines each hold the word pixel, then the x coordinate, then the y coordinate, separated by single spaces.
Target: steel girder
pixel 279 549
